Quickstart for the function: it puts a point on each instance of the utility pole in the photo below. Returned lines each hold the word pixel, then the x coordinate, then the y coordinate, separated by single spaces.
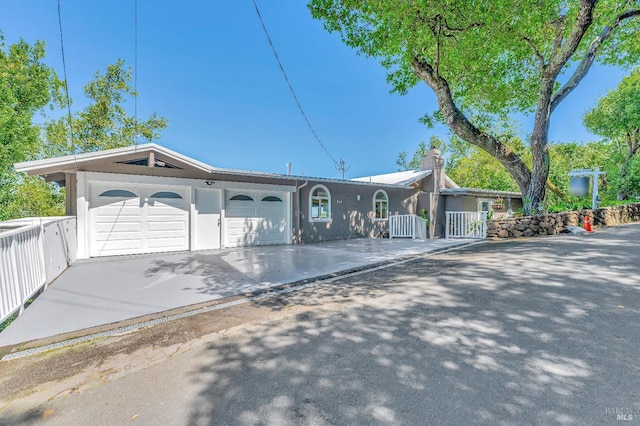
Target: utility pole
pixel 341 167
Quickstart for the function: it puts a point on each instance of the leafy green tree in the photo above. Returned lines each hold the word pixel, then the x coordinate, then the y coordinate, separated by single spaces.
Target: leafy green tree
pixel 493 57
pixel 27 86
pixel 617 118
pixel 34 197
pixel 105 123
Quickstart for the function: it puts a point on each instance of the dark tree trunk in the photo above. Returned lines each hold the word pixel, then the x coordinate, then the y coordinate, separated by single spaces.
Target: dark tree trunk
pixel 536 191
pixel 462 127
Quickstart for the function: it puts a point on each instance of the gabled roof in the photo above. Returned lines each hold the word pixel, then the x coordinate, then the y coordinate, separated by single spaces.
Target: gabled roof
pixel 404 178
pixel 70 161
pixel 54 168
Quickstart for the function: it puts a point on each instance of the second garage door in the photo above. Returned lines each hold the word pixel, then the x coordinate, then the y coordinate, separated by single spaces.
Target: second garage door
pixel 137 219
pixel 255 218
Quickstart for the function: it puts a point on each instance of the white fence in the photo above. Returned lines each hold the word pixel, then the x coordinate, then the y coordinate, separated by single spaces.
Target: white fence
pixel 33 253
pixel 466 225
pixel 407 226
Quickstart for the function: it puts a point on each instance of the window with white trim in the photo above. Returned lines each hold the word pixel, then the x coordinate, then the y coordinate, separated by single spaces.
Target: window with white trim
pixel 319 204
pixel 484 205
pixel 380 205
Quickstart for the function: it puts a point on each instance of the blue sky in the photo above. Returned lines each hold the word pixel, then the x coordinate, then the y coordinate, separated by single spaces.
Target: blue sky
pixel 208 68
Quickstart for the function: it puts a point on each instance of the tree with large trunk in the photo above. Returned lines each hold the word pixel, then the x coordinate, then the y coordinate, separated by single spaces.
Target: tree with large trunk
pixel 493 57
pixel 617 118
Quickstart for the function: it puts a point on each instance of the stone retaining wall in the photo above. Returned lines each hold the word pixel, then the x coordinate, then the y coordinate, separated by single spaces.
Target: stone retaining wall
pixel 556 223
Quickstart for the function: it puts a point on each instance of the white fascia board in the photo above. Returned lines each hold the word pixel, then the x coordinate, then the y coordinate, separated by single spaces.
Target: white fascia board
pixel 71 160
pixel 195 163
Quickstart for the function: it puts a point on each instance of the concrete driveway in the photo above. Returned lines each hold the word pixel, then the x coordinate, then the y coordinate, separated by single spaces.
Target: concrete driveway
pixel 540 331
pixel 103 291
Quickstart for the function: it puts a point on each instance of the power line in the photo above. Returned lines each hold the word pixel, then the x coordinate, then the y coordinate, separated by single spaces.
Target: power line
pixel 66 88
pixel 339 165
pixel 135 72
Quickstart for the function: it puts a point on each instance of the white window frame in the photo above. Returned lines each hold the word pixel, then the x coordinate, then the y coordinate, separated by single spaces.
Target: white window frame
pixel 386 202
pixel 326 200
pixel 485 200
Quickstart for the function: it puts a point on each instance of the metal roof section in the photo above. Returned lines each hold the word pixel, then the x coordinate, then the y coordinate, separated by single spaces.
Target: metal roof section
pixel 398 178
pixel 480 192
pixel 404 178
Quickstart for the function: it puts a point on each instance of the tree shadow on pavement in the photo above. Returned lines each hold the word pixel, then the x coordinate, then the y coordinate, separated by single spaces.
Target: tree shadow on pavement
pixel 510 333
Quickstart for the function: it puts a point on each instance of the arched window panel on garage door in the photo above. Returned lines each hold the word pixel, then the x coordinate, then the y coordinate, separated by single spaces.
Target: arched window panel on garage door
pixel 167 198
pixel 241 197
pixel 272 198
pixel 118 193
pixel 166 194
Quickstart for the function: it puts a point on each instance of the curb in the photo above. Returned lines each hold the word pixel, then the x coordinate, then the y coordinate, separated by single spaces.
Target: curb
pixel 231 301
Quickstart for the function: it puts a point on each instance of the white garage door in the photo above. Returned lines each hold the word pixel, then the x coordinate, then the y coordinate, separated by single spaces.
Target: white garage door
pixel 255 218
pixel 136 219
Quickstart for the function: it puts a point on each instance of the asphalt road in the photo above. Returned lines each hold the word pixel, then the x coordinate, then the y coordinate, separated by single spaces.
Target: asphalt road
pixel 537 331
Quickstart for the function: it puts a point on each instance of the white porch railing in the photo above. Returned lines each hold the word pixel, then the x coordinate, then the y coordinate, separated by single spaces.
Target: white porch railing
pixel 466 225
pixel 33 252
pixel 407 226
pixel 22 269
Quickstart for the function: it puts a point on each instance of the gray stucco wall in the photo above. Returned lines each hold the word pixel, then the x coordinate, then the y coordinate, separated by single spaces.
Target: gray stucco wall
pixel 453 204
pixel 350 217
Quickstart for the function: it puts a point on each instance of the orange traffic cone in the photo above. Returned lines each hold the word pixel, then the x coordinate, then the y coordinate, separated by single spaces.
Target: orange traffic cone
pixel 587 224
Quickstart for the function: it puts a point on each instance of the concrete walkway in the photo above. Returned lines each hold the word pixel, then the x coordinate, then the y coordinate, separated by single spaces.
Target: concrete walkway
pixel 104 291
